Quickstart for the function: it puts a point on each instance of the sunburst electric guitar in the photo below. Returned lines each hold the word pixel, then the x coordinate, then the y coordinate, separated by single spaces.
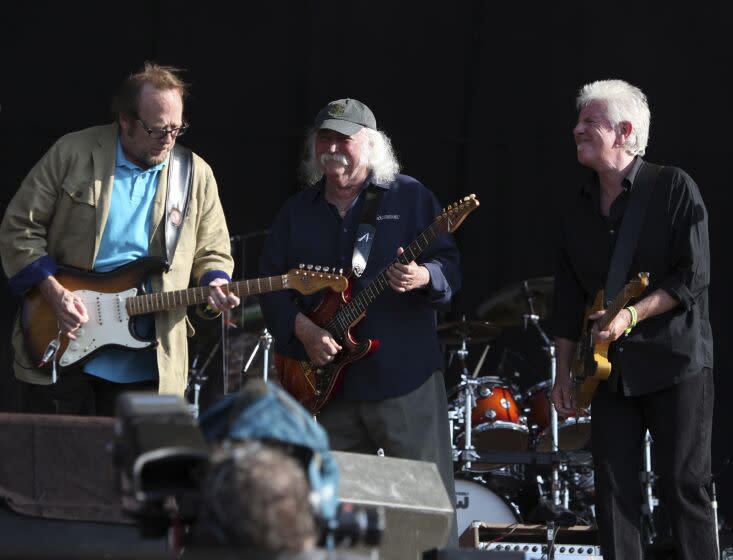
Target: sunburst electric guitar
pixel 590 363
pixel 112 300
pixel 313 385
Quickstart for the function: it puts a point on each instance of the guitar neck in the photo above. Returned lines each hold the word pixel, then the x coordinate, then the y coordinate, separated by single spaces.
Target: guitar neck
pixel 350 313
pixel 612 310
pixel 163 301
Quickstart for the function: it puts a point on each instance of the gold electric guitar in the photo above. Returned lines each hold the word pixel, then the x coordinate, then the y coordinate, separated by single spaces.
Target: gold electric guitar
pixel 590 363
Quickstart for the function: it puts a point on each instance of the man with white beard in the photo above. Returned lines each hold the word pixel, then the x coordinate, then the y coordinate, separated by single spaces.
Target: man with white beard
pixel 393 398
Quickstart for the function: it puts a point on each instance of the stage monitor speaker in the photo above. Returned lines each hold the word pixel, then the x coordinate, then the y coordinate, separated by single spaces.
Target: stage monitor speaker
pixel 418 512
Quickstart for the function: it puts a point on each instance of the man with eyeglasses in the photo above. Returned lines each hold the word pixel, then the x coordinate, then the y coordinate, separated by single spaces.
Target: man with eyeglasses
pixel 97 200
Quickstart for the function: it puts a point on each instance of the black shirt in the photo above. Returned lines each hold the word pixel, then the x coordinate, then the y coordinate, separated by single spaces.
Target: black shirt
pixel 673 248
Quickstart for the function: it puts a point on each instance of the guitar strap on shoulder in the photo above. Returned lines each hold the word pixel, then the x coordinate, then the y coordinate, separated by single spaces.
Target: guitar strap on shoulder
pixel 180 183
pixel 628 236
pixel 366 230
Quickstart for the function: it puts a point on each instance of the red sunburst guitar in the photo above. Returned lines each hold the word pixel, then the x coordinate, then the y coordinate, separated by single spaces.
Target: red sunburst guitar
pixel 112 300
pixel 313 385
pixel 590 363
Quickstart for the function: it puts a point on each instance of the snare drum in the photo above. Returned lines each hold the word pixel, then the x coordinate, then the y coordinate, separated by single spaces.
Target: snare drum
pixel 476 502
pixel 573 432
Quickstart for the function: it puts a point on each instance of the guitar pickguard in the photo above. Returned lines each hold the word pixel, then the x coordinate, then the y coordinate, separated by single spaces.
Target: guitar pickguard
pixel 109 324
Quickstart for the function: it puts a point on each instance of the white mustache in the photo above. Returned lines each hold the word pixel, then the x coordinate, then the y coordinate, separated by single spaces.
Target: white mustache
pixel 336 158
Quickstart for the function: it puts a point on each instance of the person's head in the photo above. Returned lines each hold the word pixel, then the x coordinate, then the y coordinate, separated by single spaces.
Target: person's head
pixel 149 109
pixel 345 146
pixel 613 123
pixel 256 496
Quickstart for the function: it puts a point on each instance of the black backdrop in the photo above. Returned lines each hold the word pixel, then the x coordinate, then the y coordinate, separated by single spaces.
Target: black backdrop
pixel 477 97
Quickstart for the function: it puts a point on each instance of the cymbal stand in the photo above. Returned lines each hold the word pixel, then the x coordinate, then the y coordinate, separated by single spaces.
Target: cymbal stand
pixel 265 342
pixel 549 347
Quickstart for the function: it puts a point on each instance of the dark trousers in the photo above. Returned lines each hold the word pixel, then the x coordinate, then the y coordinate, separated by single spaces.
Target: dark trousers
pixel 679 420
pixel 414 426
pixel 77 393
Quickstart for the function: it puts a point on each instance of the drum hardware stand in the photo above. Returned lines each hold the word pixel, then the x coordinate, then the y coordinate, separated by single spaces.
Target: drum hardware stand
pixel 454 416
pixel 647 479
pixel 265 342
pixel 469 451
pixel 549 347
pixel 197 377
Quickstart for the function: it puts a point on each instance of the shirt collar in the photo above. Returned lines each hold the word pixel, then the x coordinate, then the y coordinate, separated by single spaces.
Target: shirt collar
pixel 319 187
pixel 627 182
pixel 122 161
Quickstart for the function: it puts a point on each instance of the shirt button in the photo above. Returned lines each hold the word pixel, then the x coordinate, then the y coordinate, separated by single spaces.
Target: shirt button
pixel 346 230
pixel 612 231
pixel 621 349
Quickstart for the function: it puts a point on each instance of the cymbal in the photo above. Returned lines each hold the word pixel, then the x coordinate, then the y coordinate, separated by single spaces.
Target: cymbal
pixel 471 331
pixel 507 307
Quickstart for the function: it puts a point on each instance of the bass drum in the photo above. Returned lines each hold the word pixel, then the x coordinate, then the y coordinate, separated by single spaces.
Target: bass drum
pixel 476 502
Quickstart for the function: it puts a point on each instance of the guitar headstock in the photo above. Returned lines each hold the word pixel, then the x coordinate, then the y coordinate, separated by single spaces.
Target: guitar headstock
pixel 455 213
pixel 308 279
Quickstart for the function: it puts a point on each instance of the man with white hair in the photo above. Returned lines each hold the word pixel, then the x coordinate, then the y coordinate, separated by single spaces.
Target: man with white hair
pixel 634 217
pixel 393 398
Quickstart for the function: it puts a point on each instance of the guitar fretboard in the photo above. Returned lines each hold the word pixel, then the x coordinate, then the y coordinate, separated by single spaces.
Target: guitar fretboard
pixel 162 301
pixel 352 311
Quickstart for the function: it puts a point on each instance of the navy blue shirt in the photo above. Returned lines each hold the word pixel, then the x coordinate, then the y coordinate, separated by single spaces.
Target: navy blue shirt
pixel 309 230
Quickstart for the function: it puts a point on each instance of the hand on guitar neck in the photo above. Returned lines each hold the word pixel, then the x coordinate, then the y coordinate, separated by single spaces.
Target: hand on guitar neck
pixel 614 329
pixel 406 277
pixel 218 299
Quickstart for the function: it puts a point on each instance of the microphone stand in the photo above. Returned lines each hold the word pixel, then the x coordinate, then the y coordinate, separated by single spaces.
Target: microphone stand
pixel 242 240
pixel 265 342
pixel 197 378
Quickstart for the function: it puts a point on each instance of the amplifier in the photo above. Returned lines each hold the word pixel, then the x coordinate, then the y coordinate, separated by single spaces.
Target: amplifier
pixel 538 551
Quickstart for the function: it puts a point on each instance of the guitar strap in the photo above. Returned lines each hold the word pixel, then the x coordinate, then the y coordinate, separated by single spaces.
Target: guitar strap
pixel 180 184
pixel 646 180
pixel 366 230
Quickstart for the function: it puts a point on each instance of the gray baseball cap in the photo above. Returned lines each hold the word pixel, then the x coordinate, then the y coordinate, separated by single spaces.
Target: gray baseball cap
pixel 347 116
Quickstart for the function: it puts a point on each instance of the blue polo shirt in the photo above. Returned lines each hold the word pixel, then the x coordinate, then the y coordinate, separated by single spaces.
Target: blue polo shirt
pixel 126 237
pixel 309 230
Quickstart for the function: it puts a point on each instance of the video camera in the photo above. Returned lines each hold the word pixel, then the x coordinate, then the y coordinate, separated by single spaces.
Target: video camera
pixel 161 457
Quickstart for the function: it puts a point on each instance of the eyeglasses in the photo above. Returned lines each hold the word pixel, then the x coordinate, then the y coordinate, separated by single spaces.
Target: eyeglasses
pixel 160 133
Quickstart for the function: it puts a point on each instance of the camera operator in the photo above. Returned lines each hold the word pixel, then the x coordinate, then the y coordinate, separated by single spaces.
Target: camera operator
pixel 275 457
pixel 256 498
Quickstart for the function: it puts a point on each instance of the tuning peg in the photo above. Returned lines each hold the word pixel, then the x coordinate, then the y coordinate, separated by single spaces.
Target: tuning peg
pixel 326 269
pixel 301 265
pixel 318 268
pixel 341 270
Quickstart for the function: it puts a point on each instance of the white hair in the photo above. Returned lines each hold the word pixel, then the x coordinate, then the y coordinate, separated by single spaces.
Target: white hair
pixel 624 103
pixel 376 150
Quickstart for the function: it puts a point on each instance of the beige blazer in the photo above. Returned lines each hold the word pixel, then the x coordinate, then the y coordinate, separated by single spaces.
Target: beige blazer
pixel 61 209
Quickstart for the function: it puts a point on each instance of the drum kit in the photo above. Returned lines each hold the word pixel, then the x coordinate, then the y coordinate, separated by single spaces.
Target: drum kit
pixel 515 461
